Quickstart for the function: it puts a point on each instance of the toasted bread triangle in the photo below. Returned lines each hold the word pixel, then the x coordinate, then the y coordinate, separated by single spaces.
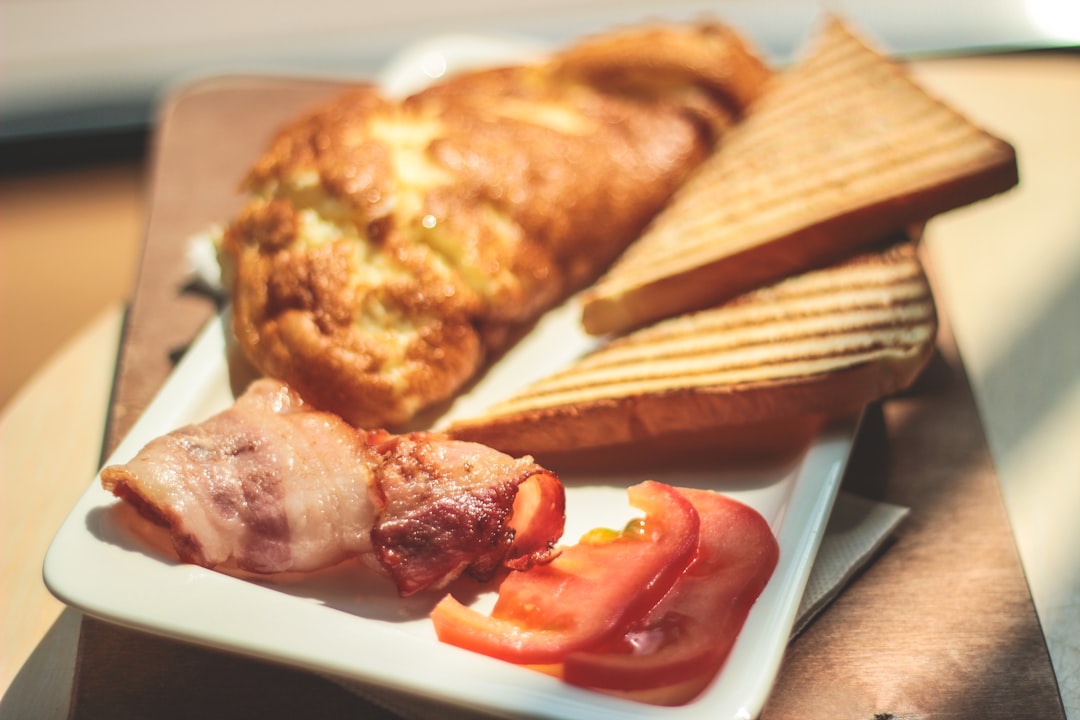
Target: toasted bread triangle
pixel 843 149
pixel 826 342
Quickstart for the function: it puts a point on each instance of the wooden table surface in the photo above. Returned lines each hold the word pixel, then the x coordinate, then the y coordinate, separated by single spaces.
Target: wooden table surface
pixel 941 625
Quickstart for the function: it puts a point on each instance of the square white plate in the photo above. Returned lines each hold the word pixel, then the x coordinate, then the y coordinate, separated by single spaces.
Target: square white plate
pixel 347 622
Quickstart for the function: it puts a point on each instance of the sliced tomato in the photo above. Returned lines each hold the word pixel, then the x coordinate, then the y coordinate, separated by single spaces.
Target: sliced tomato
pixel 589 593
pixel 537 520
pixel 684 640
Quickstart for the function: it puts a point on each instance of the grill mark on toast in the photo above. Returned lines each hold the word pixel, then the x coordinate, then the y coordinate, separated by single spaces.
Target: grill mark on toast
pixel 843 133
pixel 874 308
pixel 794 357
pixel 735 221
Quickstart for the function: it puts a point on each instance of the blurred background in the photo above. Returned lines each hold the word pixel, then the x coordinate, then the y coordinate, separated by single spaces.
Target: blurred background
pixel 77 65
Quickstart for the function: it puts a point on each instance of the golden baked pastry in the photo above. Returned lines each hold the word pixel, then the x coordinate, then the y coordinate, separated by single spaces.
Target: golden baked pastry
pixel 390 246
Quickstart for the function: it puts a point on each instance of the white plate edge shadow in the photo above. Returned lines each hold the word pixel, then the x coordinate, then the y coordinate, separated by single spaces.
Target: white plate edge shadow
pixel 138 590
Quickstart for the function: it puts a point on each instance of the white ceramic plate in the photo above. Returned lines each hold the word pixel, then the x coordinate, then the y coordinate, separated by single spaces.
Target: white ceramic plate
pixel 349 623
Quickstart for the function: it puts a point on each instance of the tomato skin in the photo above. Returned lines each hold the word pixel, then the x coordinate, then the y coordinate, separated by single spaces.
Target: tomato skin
pixel 587 594
pixel 690 632
pixel 537 520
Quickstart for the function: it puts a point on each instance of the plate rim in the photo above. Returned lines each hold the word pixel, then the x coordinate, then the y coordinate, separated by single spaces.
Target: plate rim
pixel 800 532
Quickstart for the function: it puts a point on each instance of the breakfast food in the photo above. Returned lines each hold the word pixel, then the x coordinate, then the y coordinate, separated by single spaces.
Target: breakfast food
pixel 841 150
pixel 589 591
pixel 650 612
pixel 271 485
pixel 826 342
pixel 390 247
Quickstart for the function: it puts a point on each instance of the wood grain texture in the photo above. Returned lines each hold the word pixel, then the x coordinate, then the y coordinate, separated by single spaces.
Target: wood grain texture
pixel 942 624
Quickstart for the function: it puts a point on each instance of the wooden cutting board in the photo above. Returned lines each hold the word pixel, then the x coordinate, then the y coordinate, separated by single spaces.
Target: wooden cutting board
pixel 940 625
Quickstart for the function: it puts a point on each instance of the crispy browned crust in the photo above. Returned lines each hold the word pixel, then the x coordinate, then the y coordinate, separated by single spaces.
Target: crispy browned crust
pixel 389 246
pixel 822 344
pixel 551 433
pixel 706 57
pixel 439 519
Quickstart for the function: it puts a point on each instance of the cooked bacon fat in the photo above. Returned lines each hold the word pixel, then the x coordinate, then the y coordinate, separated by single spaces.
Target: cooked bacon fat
pixel 273 485
pixel 446 507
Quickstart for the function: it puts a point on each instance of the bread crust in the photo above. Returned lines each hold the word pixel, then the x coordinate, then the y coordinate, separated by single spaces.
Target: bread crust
pixel 821 344
pixel 661 417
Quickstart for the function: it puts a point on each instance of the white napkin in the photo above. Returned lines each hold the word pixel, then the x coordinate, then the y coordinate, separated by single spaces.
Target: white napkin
pixel 856 530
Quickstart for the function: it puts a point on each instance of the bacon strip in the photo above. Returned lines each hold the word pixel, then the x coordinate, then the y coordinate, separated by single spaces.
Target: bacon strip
pixel 273 485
